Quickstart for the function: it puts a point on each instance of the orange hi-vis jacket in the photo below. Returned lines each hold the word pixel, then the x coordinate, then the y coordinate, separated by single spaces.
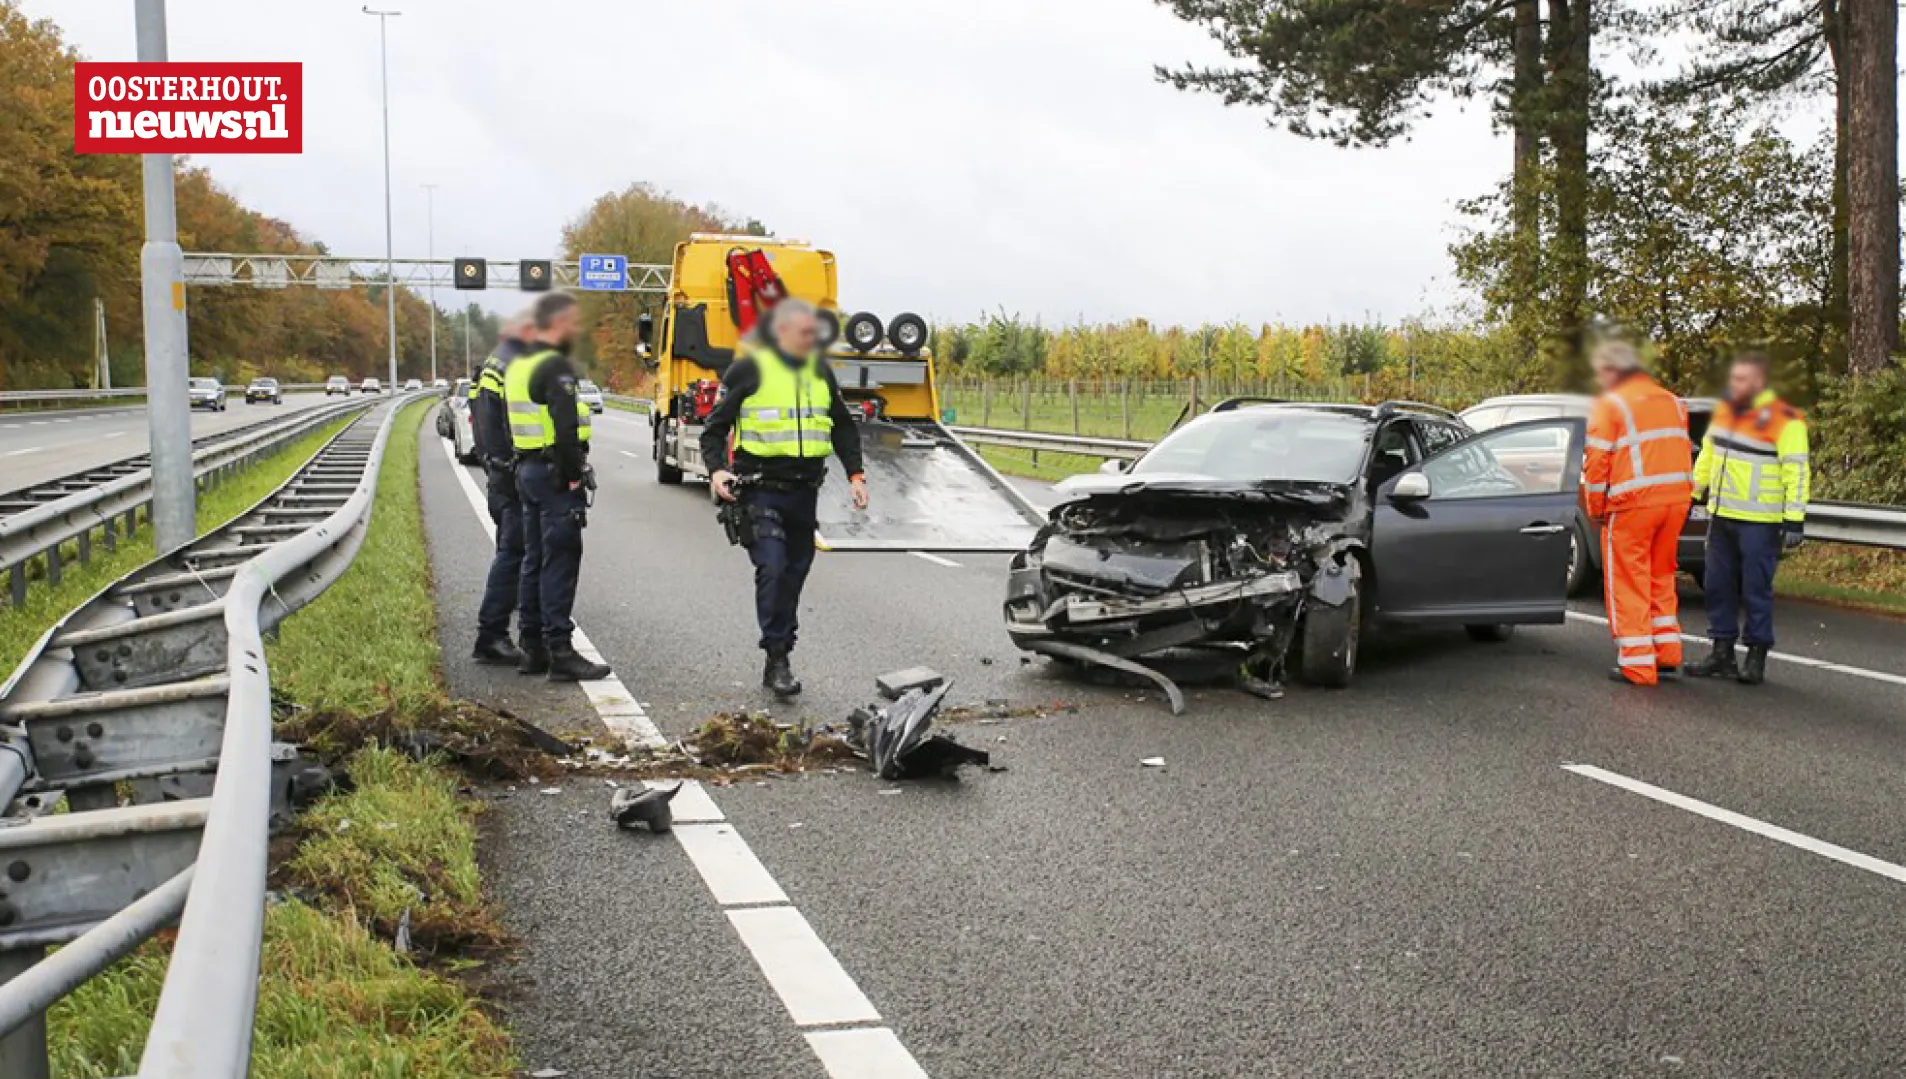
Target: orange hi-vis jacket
pixel 1639 453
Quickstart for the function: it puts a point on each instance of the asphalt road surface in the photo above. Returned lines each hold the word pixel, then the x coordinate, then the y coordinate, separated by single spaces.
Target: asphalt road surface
pixel 40 446
pixel 1481 860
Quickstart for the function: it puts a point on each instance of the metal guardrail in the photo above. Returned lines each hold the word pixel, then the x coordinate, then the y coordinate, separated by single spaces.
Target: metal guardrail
pixel 31 397
pixel 155 686
pixel 639 404
pixel 42 519
pixel 1832 522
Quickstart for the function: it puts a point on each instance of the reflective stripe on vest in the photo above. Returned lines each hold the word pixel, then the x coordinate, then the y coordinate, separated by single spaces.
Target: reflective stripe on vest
pixel 1758 464
pixel 531 427
pixel 788 414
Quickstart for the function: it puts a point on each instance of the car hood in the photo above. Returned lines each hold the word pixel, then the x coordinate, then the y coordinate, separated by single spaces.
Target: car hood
pixel 1194 484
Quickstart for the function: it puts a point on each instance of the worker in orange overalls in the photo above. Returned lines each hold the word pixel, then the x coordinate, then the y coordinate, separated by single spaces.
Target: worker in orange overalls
pixel 1638 481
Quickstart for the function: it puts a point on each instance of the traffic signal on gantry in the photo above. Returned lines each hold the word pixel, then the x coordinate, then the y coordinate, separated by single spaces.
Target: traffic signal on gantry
pixel 533 275
pixel 470 274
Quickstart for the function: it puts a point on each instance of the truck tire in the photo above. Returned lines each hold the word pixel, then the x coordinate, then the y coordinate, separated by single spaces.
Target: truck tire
pixel 1327 648
pixel 665 474
pixel 908 333
pixel 864 332
pixel 829 328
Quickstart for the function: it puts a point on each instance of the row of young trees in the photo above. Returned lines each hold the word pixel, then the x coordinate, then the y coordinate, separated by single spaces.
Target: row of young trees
pixel 71 227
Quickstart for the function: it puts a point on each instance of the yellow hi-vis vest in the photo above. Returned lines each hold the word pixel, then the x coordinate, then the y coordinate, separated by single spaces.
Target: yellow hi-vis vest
pixel 490 377
pixel 1754 465
pixel 530 425
pixel 787 415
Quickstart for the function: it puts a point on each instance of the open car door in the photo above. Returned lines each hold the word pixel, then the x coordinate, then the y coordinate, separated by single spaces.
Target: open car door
pixel 1480 533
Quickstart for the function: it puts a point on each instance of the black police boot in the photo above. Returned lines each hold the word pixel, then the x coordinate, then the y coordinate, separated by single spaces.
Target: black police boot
pixel 568 665
pixel 778 675
pixel 1718 664
pixel 1754 667
pixel 535 657
pixel 495 652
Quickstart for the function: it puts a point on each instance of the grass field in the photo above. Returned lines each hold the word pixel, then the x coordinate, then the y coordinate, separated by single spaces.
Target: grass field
pixel 336 1000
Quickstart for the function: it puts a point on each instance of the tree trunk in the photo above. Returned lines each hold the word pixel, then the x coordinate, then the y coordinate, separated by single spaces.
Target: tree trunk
pixel 1571 92
pixel 1872 39
pixel 1525 119
pixel 1834 313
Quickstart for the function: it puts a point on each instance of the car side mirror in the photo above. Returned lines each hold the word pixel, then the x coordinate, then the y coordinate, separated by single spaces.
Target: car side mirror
pixel 1410 487
pixel 1114 466
pixel 645 328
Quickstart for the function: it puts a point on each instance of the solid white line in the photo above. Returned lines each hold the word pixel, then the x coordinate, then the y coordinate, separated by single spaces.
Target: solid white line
pixel 1745 823
pixel 803 973
pixel 1789 657
pixel 870 1053
pixel 620 712
pixel 16 453
pixel 728 866
pixel 935 559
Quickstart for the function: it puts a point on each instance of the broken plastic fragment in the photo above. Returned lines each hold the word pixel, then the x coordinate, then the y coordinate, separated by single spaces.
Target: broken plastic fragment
pixel 894 684
pixel 630 806
pixel 899 740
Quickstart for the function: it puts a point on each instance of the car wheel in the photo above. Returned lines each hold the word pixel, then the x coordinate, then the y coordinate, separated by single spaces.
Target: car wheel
pixel 1491 633
pixel 1328 648
pixel 864 332
pixel 908 333
pixel 1581 567
pixel 666 474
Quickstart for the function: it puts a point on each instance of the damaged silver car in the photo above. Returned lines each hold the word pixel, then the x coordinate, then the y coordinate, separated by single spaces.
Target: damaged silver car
pixel 1267 536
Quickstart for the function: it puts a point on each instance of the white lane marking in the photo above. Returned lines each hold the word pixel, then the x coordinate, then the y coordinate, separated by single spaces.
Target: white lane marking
pixel 935 559
pixel 1742 821
pixel 1789 657
pixel 691 804
pixel 869 1053
pixel 114 434
pixel 802 972
pixel 812 984
pixel 37 423
pixel 16 453
pixel 728 866
pixel 620 711
pixel 630 454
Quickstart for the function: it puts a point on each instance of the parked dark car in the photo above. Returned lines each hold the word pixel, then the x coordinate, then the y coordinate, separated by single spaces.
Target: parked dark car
pixel 1585 554
pixel 264 389
pixel 1261 533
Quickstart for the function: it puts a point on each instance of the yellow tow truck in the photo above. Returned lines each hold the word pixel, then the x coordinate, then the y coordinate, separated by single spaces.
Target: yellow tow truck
pixel 931 492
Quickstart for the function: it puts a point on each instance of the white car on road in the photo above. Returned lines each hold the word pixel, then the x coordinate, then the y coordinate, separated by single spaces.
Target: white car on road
pixel 590 394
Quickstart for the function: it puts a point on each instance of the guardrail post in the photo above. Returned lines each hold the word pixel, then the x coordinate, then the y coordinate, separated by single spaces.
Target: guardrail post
pixel 23 1051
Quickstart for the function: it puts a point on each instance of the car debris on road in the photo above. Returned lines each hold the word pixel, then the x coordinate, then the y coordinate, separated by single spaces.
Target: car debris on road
pixel 898 739
pixel 630 806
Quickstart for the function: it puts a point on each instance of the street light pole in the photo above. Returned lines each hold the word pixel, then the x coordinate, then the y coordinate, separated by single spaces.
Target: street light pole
pixel 466 342
pixel 162 286
pixel 430 252
pixel 390 258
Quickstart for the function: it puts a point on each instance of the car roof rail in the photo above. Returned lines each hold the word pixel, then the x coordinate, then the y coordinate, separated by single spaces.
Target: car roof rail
pixel 1230 403
pixel 1389 407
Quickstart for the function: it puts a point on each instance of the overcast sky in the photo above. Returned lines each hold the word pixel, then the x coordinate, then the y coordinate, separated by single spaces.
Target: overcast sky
pixel 958 155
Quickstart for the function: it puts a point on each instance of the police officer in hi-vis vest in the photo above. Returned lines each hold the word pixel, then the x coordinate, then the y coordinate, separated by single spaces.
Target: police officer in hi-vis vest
pixel 490 424
pixel 550 429
pixel 787 416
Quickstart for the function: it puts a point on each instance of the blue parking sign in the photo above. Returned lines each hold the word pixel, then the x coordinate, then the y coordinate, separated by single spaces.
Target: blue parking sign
pixel 603 273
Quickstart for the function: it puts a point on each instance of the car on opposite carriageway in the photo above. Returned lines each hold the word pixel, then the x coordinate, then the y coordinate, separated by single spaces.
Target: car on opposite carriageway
pixel 264 389
pixel 338 385
pixel 590 394
pixel 1272 534
pixel 207 393
pixel 1585 552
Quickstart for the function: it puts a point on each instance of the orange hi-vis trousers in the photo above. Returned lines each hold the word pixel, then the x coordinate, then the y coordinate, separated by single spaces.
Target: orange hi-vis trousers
pixel 1638 549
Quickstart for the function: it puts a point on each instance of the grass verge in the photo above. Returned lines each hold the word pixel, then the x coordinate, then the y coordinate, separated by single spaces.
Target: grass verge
pixel 1865 578
pixel 21 626
pixel 335 998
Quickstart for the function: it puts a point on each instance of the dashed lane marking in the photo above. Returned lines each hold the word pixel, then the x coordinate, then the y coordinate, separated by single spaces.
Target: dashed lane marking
pixel 1740 820
pixel 630 454
pixel 619 709
pixel 935 559
pixel 16 453
pixel 1802 661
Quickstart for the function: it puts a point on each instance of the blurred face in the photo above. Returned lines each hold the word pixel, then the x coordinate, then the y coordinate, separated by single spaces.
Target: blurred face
pixel 1606 376
pixel 796 334
pixel 1745 381
pixel 562 328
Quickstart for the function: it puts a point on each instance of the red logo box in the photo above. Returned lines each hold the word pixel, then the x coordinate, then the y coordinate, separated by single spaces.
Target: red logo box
pixel 188 108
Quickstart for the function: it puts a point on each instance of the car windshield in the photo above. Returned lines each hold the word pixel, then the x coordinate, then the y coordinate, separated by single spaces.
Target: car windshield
pixel 265 382
pixel 587 386
pixel 1253 444
pixel 204 383
pixel 337 380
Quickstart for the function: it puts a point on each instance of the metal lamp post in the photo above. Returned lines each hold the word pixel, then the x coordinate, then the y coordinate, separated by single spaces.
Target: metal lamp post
pixel 390 258
pixel 430 252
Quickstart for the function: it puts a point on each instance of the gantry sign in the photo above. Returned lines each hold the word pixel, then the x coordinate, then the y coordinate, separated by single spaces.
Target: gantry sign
pixel 337 272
